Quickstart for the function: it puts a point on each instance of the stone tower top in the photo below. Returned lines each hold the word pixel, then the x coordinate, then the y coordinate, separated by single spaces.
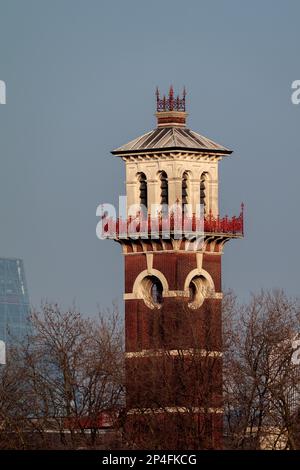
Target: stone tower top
pixel 172 133
pixel 170 111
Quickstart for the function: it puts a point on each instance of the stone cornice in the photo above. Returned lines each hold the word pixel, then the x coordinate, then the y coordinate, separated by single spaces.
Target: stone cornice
pixel 185 156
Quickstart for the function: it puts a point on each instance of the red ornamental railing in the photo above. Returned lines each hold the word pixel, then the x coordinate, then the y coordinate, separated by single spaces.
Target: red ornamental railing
pixel 173 223
pixel 234 225
pixel 171 103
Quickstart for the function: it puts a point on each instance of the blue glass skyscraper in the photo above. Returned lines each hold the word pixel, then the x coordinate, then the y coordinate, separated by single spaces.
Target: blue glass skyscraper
pixel 14 300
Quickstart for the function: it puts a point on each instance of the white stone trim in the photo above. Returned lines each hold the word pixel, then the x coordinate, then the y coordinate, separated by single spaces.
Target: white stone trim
pixel 149 259
pixel 173 293
pixel 162 252
pixel 218 295
pixel 187 156
pixel 199 259
pixel 130 296
pixel 145 273
pixel 172 352
pixel 199 272
pixel 176 409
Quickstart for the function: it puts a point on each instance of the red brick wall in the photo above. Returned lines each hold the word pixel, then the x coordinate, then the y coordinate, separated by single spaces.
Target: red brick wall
pixel 173 326
pixel 174 266
pixel 174 381
pixel 163 381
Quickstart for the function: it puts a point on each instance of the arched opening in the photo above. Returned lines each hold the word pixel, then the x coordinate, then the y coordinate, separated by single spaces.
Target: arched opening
pixel 198 290
pixel 164 190
pixel 185 188
pixel 204 192
pixel 156 291
pixel 143 196
pixel 152 291
pixel 192 292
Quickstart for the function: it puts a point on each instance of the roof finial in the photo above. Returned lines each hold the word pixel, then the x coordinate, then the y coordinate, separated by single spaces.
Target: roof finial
pixel 157 93
pixel 171 98
pixel 164 103
pixel 183 98
pixel 170 103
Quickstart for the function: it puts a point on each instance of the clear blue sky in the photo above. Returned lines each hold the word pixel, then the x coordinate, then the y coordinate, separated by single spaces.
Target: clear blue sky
pixel 80 79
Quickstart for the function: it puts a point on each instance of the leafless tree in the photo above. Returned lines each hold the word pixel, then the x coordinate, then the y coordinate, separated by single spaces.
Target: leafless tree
pixel 261 385
pixel 66 374
pixel 69 371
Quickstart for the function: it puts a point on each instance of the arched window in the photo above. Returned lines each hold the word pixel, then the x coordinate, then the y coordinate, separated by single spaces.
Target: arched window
pixel 198 290
pixel 185 188
pixel 143 189
pixel 192 292
pixel 156 291
pixel 152 291
pixel 164 190
pixel 204 201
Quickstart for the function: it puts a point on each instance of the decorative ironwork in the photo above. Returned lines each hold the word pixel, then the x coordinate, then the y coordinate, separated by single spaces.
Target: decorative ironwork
pixel 171 103
pixel 139 225
pixel 234 225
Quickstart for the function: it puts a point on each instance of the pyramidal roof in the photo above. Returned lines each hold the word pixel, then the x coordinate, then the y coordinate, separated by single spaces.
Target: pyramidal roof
pixel 171 133
pixel 171 139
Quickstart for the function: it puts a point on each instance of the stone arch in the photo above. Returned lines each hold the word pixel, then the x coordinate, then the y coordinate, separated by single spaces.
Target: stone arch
pixel 142 189
pixel 164 187
pixel 182 169
pixel 144 283
pixel 186 187
pixel 198 286
pixel 205 191
pixel 199 272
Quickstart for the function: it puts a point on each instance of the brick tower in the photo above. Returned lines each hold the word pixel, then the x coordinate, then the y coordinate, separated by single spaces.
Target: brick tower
pixel 172 241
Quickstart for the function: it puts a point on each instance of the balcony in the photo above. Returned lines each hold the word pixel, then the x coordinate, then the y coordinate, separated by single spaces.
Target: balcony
pixel 173 225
